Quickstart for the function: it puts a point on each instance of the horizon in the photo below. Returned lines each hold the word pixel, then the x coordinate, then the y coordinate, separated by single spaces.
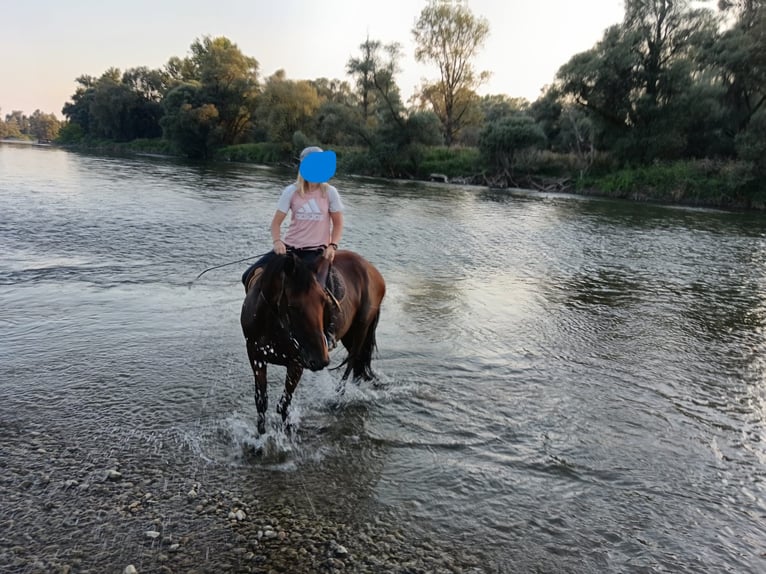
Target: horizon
pixel 43 72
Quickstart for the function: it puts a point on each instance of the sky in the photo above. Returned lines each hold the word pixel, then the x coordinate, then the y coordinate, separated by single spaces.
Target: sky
pixel 47 44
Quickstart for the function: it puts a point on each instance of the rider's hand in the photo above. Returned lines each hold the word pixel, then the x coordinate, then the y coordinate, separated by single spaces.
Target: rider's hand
pixel 329 252
pixel 279 247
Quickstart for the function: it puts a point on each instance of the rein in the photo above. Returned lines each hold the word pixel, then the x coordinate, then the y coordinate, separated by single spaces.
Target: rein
pixel 284 320
pixel 225 265
pixel 285 325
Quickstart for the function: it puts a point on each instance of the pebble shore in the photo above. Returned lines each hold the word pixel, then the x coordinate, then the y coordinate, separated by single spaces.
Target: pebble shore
pixel 67 508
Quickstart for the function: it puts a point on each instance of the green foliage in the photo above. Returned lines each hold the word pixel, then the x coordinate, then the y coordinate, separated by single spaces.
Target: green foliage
pixel 504 142
pixel 263 153
pixel 705 182
pixel 751 143
pixel 373 74
pixel 44 127
pixel 359 161
pixel 38 126
pixel 666 84
pixel 452 161
pixel 639 81
pixel 286 106
pixel 191 125
pixel 450 36
pixel 70 133
pixel 229 83
pixel 340 125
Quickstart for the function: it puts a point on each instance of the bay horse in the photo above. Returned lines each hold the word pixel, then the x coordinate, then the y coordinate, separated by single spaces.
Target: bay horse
pixel 287 311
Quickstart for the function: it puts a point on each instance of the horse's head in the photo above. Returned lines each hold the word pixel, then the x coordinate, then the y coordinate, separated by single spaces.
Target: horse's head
pixel 300 304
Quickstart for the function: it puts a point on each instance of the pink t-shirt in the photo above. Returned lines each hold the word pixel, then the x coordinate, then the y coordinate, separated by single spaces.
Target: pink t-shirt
pixel 310 220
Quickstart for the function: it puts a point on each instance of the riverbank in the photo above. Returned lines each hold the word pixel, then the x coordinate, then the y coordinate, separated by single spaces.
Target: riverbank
pixel 69 507
pixel 699 183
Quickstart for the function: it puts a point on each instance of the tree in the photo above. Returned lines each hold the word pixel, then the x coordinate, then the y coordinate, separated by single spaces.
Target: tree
pixel 503 142
pixel 16 124
pixel 44 127
pixel 498 106
pixel 110 107
pixel 229 82
pixel 286 106
pixel 737 59
pixel 450 36
pixel 601 80
pixel 119 107
pixel 337 91
pixel 637 81
pixel 338 124
pixel 751 143
pixel 10 127
pixel 374 75
pixel 78 110
pixel 189 122
pixel 363 69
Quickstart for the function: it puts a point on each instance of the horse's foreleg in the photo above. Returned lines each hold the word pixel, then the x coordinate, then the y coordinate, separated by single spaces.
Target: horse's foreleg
pixel 294 372
pixel 261 387
pixel 261 397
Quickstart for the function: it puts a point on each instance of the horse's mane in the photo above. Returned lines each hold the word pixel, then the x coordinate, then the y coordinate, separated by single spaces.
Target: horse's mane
pixel 300 276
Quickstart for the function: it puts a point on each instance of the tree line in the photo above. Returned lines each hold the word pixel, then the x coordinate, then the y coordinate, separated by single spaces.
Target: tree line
pixel 40 126
pixel 676 80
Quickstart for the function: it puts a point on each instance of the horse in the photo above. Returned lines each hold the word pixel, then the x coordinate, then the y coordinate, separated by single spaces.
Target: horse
pixel 287 311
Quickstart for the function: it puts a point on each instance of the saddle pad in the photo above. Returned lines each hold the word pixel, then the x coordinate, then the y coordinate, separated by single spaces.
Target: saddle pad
pixel 254 277
pixel 336 285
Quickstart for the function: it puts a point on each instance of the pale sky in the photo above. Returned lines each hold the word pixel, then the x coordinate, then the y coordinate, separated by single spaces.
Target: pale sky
pixel 46 44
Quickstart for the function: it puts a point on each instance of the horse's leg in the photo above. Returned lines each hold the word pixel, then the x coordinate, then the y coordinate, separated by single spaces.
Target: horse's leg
pixel 363 359
pixel 360 343
pixel 294 372
pixel 261 387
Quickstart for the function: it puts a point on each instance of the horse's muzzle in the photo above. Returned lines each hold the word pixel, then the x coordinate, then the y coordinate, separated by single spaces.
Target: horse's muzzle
pixel 315 360
pixel 315 364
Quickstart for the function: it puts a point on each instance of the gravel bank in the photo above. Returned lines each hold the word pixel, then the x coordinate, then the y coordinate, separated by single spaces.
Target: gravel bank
pixel 74 508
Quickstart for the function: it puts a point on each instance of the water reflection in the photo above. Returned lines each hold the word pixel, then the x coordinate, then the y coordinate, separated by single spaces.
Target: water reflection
pixel 565 383
pixel 596 287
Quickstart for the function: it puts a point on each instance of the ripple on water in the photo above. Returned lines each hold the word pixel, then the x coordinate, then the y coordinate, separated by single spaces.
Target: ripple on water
pixel 564 384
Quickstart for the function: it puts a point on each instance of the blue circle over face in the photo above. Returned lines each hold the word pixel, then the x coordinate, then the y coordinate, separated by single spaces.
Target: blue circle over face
pixel 318 167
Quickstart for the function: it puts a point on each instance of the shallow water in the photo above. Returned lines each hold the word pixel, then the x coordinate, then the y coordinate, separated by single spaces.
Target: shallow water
pixel 565 384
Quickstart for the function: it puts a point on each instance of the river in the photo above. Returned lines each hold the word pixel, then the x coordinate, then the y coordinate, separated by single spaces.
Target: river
pixel 565 384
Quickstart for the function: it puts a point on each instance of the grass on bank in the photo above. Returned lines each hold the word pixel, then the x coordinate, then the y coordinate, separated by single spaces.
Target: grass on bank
pixel 698 182
pixel 710 183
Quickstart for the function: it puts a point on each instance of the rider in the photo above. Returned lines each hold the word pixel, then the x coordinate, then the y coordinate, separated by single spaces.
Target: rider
pixel 316 223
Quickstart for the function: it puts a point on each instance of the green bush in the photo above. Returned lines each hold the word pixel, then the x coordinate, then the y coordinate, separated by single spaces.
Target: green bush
pixel 71 133
pixel 153 145
pixel 700 182
pixel 264 152
pixel 452 162
pixel 356 161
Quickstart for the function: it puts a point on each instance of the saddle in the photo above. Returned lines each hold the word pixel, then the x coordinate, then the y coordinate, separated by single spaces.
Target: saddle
pixel 335 285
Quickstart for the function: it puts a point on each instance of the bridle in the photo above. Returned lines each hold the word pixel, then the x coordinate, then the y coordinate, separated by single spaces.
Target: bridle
pixel 282 318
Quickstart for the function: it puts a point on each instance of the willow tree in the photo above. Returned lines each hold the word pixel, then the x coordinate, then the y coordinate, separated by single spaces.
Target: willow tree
pixel 227 79
pixel 376 89
pixel 285 107
pixel 449 35
pixel 641 85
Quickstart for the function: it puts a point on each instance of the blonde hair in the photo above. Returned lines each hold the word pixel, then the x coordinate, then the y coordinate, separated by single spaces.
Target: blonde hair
pixel 303 186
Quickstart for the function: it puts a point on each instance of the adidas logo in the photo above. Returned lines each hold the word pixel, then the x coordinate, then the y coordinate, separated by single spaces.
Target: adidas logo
pixel 309 211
